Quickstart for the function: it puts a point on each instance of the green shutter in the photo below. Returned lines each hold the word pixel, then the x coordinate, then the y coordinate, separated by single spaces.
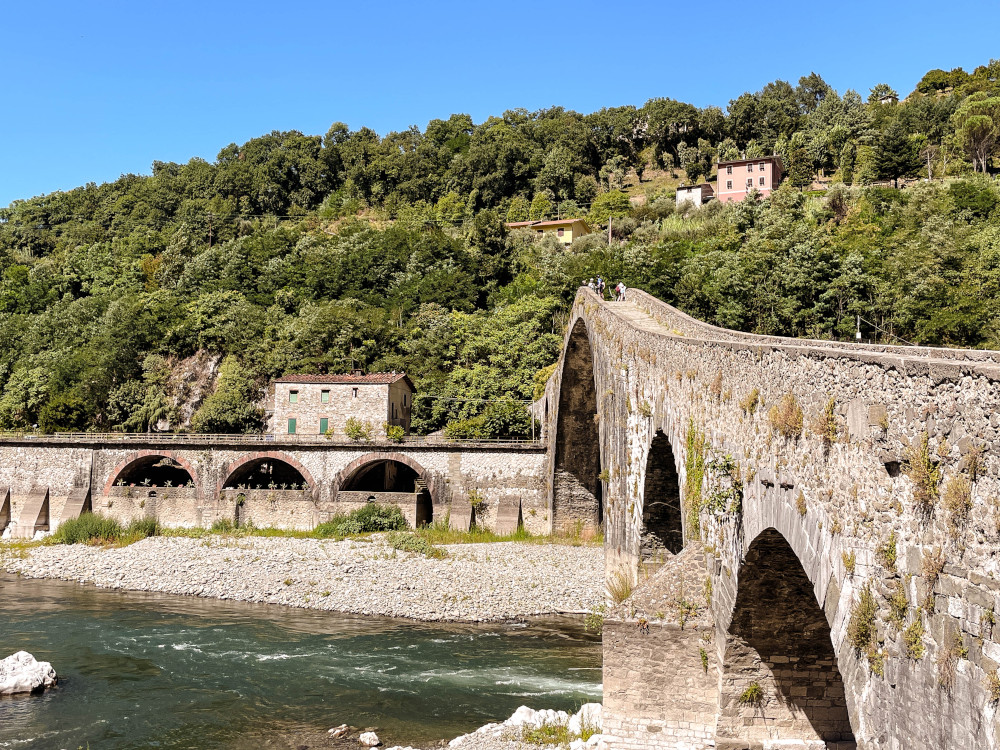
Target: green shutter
pixel 324 425
pixel 325 397
pixel 291 426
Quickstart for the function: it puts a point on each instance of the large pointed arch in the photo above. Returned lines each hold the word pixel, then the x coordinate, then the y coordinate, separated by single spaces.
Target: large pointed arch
pixel 779 647
pixel 662 531
pixel 577 489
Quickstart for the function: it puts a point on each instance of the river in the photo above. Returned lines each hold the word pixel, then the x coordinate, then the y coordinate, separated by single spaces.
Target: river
pixel 157 671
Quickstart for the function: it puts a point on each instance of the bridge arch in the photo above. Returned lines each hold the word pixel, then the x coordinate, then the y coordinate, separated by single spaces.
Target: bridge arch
pixel 388 476
pixel 577 486
pixel 779 644
pixel 264 468
pixel 154 468
pixel 662 529
pixel 360 466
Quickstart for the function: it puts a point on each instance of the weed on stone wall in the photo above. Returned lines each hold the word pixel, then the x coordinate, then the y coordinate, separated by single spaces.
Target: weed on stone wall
pixel 992 685
pixel 704 659
pixel 786 417
pixel 619 585
pixel 898 604
pixel 861 630
pixel 800 504
pixel 825 425
pixel 753 695
pixel 948 658
pixel 694 464
pixel 886 553
pixel 750 403
pixel 850 561
pixel 957 501
pixel 913 639
pixel 925 475
pixel 931 566
pixel 715 387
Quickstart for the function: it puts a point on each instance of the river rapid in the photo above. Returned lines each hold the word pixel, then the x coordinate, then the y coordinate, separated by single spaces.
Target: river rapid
pixel 159 671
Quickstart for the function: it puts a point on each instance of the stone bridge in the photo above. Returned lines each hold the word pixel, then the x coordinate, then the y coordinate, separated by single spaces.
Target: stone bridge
pixel 284 481
pixel 802 535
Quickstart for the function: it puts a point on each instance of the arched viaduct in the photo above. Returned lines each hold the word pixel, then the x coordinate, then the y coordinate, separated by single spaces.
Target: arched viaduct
pixel 811 529
pixel 286 482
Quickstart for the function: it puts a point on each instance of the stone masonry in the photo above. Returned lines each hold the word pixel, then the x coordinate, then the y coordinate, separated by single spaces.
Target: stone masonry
pixel 844 500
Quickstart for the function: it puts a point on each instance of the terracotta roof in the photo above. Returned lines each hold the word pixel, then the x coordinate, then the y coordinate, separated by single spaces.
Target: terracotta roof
pixel 733 162
pixel 372 378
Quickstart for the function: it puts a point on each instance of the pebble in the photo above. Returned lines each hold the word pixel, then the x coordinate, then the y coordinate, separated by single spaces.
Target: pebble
pixel 474 583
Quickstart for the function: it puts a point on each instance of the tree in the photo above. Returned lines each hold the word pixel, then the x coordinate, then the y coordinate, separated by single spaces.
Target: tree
pixel 608 205
pixel 811 91
pixel 800 170
pixel 896 155
pixel 232 408
pixel 882 92
pixel 541 207
pixel 519 209
pixel 865 167
pixel 977 127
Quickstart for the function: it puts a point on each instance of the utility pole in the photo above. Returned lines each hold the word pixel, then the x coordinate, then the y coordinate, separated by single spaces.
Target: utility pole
pixel 210 229
pixel 609 230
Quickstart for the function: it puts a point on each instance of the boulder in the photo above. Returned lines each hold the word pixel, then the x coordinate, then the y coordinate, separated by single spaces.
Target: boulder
pixel 338 732
pixel 369 739
pixel 21 673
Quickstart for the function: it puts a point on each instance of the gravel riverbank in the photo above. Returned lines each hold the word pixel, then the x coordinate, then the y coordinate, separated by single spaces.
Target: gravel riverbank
pixel 474 583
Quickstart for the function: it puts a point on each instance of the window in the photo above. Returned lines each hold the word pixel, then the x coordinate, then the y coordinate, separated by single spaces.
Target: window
pixel 293 397
pixel 749 182
pixel 729 169
pixel 324 397
pixel 541 231
pixel 355 393
pixel 291 425
pixel 324 425
pixel 404 399
pixel 560 232
pixel 762 182
pixel 729 184
pixel 760 167
pixel 749 167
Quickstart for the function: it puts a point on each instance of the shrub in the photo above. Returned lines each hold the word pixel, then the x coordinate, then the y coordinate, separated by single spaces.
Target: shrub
pixel 394 433
pixel 750 403
pixel 753 695
pixel 993 686
pixel 957 501
pixel 861 625
pixel 619 586
pixel 913 639
pixel 850 561
pixel 825 425
pixel 800 504
pixel 786 417
pixel 408 542
pixel 92 528
pixel 223 526
pixel 886 553
pixel 594 621
pixel 925 475
pixel 898 604
pixel 931 566
pixel 371 518
pixel 358 431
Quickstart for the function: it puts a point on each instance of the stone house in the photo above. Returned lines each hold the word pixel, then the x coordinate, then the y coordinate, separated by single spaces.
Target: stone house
pixel 318 404
pixel 737 178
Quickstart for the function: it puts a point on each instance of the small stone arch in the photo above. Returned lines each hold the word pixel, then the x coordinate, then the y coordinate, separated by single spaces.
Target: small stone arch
pixel 145 456
pixel 369 458
pixel 779 640
pixel 662 529
pixel 234 466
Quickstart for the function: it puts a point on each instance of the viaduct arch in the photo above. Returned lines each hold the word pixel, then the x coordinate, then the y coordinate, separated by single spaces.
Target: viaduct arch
pixel 808 526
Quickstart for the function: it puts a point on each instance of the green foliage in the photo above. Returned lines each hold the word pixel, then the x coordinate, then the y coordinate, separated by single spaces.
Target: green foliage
pixel 358 430
pixel 898 604
pixel 233 405
pixel 925 475
pixel 92 528
pixel 500 419
pixel 861 625
pixel 594 621
pixel 372 517
pixel 886 552
pixel 406 541
pixel 694 478
pixel 752 695
pixel 913 639
pixel 613 204
pixel 786 417
pixel 394 433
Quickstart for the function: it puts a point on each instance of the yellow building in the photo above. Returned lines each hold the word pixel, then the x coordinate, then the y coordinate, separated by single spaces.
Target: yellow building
pixel 566 230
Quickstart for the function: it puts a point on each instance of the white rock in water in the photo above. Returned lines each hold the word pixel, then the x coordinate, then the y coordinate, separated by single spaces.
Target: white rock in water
pixel 369 739
pixel 21 673
pixel 588 716
pixel 338 732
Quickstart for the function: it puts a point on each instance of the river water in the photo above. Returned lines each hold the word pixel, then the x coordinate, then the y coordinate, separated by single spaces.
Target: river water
pixel 157 671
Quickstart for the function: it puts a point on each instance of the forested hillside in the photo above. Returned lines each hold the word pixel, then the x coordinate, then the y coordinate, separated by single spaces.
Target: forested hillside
pixel 170 300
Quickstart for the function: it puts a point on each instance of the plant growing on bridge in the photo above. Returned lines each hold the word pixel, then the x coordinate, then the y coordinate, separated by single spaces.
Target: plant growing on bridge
pixel 925 475
pixel 619 585
pixel 753 695
pixel 861 625
pixel 825 426
pixel 786 417
pixel 726 486
pixel 850 561
pixel 751 402
pixel 931 566
pixel 958 502
pixel 694 462
pixel 886 553
pixel 898 604
pixel 992 684
pixel 913 639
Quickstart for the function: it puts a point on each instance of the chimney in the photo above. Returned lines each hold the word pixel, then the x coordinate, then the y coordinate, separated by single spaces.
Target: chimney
pixel 357 371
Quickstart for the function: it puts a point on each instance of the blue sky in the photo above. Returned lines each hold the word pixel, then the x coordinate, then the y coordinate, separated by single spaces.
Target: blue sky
pixel 95 90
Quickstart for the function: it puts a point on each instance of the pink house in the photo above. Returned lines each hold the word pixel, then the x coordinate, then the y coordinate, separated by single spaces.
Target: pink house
pixel 737 178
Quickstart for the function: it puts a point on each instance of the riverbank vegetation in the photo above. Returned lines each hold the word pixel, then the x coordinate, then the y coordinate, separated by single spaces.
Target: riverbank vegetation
pixel 169 301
